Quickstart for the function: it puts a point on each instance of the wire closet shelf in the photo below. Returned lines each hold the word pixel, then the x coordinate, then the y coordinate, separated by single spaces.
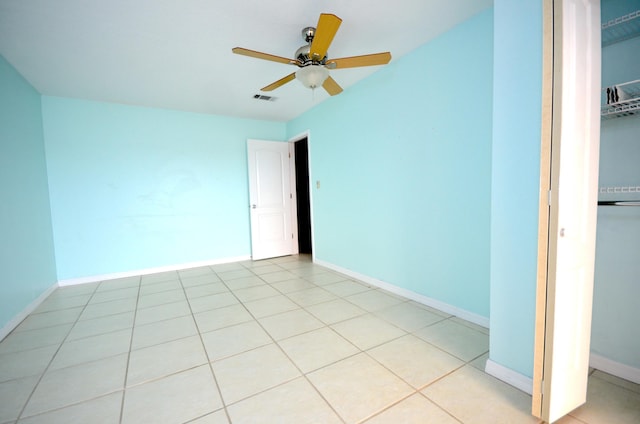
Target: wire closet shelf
pixel 620 190
pixel 616 30
pixel 621 28
pixel 626 107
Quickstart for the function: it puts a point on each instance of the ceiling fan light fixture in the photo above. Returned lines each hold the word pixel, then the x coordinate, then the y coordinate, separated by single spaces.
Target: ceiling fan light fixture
pixel 312 76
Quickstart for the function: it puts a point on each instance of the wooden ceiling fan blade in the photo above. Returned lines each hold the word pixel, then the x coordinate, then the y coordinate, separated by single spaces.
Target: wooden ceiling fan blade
pixel 280 82
pixel 358 61
pixel 332 86
pixel 264 56
pixel 326 29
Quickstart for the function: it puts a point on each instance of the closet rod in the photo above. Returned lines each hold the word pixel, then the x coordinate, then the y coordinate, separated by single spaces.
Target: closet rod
pixel 619 203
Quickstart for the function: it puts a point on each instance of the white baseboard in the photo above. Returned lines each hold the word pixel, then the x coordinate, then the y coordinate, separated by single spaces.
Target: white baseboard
pixel 617 369
pixel 147 271
pixel 509 376
pixel 598 362
pixel 425 300
pixel 16 320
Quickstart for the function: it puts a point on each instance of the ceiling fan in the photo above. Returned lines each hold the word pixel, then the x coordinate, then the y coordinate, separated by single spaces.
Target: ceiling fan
pixel 312 58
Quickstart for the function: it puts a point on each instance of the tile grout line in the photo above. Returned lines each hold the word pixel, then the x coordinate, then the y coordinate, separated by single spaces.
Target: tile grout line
pixel 302 307
pixel 440 407
pixel 126 370
pixel 24 407
pixel 416 391
pixel 259 324
pixel 204 348
pixel 95 291
pixel 618 385
pixel 442 377
pixel 366 352
pixel 442 349
pixel 274 342
pixel 447 375
pixel 397 402
pixel 359 350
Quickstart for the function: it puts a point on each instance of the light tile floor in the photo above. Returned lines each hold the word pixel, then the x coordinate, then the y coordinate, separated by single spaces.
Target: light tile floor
pixel 275 341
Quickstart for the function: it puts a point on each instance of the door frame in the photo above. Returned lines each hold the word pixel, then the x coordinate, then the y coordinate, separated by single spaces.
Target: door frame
pixel 294 213
pixel 544 205
pixel 292 186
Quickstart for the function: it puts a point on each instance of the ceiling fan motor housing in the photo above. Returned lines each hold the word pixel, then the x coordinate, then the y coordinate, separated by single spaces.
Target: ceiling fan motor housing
pixel 303 54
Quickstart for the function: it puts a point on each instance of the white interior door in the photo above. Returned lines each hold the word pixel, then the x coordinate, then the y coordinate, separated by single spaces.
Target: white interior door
pixel 270 197
pixel 575 143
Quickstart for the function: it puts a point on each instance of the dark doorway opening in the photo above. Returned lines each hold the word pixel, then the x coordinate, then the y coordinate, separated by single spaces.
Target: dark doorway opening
pixel 302 195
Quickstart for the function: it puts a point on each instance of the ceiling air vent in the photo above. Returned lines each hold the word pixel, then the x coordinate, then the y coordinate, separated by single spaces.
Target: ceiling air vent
pixel 263 97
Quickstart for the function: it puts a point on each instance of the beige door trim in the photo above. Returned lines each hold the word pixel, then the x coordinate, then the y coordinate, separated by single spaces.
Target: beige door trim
pixel 544 199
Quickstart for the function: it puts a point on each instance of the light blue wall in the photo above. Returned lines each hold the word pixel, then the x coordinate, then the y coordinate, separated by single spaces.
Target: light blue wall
pixel 615 333
pixel 27 260
pixel 515 181
pixel 135 188
pixel 612 9
pixel 404 162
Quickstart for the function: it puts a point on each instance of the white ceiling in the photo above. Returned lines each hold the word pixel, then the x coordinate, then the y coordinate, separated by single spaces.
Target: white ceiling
pixel 176 54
